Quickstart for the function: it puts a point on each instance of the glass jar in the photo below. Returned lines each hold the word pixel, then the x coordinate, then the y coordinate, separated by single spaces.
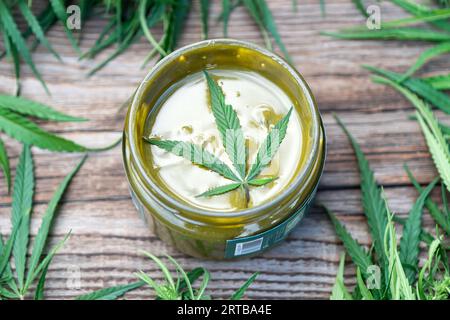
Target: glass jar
pixel 211 234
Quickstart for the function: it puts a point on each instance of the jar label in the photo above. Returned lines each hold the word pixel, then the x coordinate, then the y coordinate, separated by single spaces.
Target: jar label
pixel 252 244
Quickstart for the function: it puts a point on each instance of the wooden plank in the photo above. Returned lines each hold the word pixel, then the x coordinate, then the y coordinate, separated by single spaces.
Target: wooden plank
pixel 106 230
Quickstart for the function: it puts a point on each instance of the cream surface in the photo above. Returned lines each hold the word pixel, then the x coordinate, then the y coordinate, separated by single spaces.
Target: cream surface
pixel 184 114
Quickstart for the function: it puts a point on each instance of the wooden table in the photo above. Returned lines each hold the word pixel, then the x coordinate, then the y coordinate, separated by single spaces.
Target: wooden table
pixel 106 230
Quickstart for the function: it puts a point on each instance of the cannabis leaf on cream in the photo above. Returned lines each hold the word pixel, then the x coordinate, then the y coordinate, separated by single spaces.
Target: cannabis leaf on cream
pixel 232 136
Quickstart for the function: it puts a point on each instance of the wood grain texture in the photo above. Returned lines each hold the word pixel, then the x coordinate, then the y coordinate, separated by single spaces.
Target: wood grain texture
pixel 106 230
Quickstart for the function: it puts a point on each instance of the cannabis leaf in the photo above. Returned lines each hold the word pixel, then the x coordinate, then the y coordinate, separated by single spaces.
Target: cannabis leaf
pixel 220 190
pixel 262 16
pixel 179 288
pixel 5 253
pixel 204 10
pixel 339 291
pixel 240 292
pixel 398 284
pixel 35 26
pixel 12 54
pixel 196 154
pixel 25 131
pixel 359 256
pixel 28 107
pixel 409 34
pixel 372 199
pixel 227 8
pixel 418 10
pixel 401 262
pixel 21 205
pixel 417 86
pixel 27 270
pixel 270 146
pixel 363 290
pixel 12 32
pixel 440 82
pixel 232 136
pixel 127 22
pixel 229 126
pixel 261 181
pixel 359 5
pixel 425 56
pixel 409 243
pixel 4 164
pixel 14 122
pixel 398 30
pixel 111 293
pixel 434 136
pixel 35 265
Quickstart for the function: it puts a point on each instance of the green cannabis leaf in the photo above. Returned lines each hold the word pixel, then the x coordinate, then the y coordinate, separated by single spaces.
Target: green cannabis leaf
pixel 196 154
pixel 227 8
pixel 403 280
pixel 269 146
pixel 13 36
pixel 179 288
pixel 440 82
pixel 35 26
pixel 425 57
pixel 35 267
pixel 409 243
pixel 14 122
pixel 4 164
pixel 111 293
pixel 373 202
pixel 359 256
pixel 59 7
pixel 398 29
pixel 229 127
pixel 418 10
pixel 127 22
pixel 220 190
pixel 22 202
pixel 359 5
pixel 204 10
pixel 232 136
pixel 339 291
pixel 28 107
pixel 434 136
pixel 262 16
pixel 410 34
pixel 240 292
pixel 415 85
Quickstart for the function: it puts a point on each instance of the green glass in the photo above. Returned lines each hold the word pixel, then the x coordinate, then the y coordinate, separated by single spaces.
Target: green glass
pixel 193 230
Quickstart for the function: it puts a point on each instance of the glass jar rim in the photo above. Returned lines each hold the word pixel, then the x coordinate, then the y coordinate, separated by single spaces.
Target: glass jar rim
pixel 245 213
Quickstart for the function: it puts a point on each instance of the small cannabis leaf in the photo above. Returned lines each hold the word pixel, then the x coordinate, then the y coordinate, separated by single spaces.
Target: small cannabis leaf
pixel 233 141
